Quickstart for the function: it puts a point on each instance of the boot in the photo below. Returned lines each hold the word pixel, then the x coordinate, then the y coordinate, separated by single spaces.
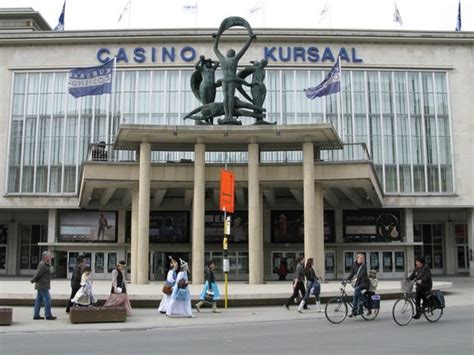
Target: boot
pixel 318 307
pixel 214 308
pixel 198 306
pixel 301 306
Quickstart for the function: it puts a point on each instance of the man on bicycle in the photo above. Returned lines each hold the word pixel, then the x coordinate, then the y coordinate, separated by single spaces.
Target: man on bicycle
pixel 422 277
pixel 360 281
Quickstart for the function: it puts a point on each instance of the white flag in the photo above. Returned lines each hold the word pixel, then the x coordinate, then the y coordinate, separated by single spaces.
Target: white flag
pixel 396 15
pixel 125 9
pixel 324 12
pixel 190 8
pixel 256 8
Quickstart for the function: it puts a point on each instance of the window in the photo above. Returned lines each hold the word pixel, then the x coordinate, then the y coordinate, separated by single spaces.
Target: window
pixel 30 251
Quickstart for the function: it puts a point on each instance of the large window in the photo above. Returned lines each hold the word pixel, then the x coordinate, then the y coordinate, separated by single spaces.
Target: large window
pixel 403 117
pixel 30 251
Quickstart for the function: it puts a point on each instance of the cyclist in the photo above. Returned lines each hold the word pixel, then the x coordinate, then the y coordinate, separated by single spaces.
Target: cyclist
pixel 360 281
pixel 422 277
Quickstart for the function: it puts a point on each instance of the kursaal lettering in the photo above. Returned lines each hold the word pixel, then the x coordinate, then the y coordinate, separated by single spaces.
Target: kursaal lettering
pixel 276 54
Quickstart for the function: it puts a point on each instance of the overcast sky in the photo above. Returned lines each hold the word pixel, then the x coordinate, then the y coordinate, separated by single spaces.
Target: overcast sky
pixel 425 15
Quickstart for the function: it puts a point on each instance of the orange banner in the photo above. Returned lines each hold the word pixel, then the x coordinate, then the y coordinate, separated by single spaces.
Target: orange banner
pixel 226 198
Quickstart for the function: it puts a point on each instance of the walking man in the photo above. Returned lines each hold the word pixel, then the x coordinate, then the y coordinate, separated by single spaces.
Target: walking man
pixel 42 281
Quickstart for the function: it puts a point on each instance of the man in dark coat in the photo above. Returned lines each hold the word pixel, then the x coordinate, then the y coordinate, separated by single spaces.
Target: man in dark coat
pixel 360 280
pixel 42 281
pixel 75 280
pixel 422 277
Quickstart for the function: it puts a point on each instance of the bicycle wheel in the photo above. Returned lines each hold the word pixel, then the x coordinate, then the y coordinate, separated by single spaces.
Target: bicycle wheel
pixel 403 311
pixel 433 314
pixel 373 313
pixel 336 310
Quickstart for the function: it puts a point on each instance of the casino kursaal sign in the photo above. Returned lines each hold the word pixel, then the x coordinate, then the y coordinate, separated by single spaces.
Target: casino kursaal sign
pixel 372 226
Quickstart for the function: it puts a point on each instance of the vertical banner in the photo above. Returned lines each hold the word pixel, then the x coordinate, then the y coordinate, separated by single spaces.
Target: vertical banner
pixel 226 198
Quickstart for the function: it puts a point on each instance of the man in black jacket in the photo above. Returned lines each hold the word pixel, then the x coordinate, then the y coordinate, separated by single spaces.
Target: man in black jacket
pixel 360 281
pixel 424 283
pixel 75 280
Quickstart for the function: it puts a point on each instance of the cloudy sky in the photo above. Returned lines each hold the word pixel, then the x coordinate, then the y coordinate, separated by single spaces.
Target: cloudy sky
pixel 425 15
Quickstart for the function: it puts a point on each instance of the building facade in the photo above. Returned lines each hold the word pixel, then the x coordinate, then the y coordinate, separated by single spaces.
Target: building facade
pixel 394 181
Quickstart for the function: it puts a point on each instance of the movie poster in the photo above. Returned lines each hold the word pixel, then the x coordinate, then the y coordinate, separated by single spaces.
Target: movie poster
pixel 87 226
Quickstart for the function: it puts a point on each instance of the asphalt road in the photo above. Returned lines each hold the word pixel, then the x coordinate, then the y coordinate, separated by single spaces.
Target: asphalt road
pixel 453 334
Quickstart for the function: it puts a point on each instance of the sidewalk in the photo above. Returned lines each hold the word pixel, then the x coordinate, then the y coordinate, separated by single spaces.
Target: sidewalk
pixel 459 293
pixel 21 292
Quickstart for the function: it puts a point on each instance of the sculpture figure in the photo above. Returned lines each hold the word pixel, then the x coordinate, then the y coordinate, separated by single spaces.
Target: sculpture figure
pixel 203 82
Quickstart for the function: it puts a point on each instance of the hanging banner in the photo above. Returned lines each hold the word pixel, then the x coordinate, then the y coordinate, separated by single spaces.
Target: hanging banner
pixel 226 198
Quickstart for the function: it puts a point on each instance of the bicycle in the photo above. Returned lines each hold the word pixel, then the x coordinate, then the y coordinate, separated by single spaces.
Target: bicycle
pixel 336 309
pixel 404 308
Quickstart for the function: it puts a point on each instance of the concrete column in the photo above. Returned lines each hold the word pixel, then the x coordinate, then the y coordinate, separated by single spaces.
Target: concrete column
pixel 52 225
pixel 410 250
pixel 470 238
pixel 144 213
pixel 254 211
pixel 134 237
pixel 199 207
pixel 121 227
pixel 313 212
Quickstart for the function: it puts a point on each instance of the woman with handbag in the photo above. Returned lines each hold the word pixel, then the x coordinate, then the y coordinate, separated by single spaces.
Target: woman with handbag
pixel 118 293
pixel 180 303
pixel 168 286
pixel 313 286
pixel 210 292
pixel 84 296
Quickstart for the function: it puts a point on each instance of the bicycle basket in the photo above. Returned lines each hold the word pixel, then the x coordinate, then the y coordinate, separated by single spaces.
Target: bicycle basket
pixel 407 286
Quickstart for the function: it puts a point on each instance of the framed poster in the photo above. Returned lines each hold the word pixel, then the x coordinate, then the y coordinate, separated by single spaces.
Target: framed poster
pixel 214 227
pixel 169 227
pixel 87 226
pixel 372 226
pixel 288 226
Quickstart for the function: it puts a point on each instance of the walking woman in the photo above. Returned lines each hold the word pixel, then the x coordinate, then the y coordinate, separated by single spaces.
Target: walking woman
pixel 298 282
pixel 312 286
pixel 168 286
pixel 180 304
pixel 118 293
pixel 210 292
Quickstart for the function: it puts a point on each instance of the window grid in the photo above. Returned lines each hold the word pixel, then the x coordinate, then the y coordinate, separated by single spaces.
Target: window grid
pixel 395 111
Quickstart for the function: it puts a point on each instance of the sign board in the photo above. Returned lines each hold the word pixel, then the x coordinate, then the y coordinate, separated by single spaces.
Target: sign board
pixel 372 226
pixel 226 198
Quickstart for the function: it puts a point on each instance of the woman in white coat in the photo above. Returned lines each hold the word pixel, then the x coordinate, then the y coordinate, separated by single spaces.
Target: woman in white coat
pixel 168 286
pixel 180 304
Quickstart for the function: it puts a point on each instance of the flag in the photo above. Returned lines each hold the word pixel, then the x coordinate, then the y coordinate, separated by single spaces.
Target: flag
pixel 396 15
pixel 458 22
pixel 60 25
pixel 330 85
pixel 256 8
pixel 92 80
pixel 324 11
pixel 190 8
pixel 125 9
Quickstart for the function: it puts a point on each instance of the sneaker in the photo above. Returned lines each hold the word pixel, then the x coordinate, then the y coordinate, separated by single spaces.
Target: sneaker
pixel 216 311
pixel 51 318
pixel 353 315
pixel 417 316
pixel 286 306
pixel 300 310
pixel 197 308
pixel 39 317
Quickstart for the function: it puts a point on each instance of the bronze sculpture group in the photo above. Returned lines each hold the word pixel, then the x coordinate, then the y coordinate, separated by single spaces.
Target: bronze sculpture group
pixel 204 85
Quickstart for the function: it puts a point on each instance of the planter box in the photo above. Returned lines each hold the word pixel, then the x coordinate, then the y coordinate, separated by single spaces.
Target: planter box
pixel 6 315
pixel 97 314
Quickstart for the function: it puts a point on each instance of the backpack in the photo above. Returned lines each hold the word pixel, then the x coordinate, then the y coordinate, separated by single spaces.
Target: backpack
pixel 438 299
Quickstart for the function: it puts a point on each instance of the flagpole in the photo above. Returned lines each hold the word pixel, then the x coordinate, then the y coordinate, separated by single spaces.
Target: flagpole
pixel 130 15
pixel 112 100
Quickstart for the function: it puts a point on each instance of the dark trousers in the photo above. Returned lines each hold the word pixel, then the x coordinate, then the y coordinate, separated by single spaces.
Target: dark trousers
pixel 73 293
pixel 298 288
pixel 420 295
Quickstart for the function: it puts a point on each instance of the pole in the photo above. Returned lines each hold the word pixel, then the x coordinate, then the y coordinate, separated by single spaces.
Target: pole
pixel 225 245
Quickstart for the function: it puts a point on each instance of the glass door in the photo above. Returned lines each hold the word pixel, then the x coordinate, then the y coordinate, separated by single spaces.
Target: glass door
pixel 330 265
pixel 462 248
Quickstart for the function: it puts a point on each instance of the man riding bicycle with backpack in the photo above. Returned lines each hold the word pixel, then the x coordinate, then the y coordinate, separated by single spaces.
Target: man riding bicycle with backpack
pixel 422 277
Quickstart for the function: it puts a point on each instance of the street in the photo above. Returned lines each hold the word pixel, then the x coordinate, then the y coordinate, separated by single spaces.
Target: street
pixel 248 334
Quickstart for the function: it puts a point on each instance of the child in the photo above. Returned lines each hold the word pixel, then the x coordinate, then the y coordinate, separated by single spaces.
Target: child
pixel 373 282
pixel 84 297
pixel 210 292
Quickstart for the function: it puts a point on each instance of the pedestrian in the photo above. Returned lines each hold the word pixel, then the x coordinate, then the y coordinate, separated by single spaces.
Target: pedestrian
pixel 210 292
pixel 75 280
pixel 84 296
pixel 42 281
pixel 313 286
pixel 360 281
pixel 118 293
pixel 180 304
pixel 168 286
pixel 282 270
pixel 373 283
pixel 298 283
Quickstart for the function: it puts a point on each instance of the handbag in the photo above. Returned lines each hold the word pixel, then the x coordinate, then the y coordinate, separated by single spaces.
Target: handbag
pixel 118 290
pixel 167 289
pixel 209 297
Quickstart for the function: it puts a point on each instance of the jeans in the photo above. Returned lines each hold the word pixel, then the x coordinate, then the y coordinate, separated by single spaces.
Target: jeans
pixel 358 299
pixel 312 286
pixel 43 297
